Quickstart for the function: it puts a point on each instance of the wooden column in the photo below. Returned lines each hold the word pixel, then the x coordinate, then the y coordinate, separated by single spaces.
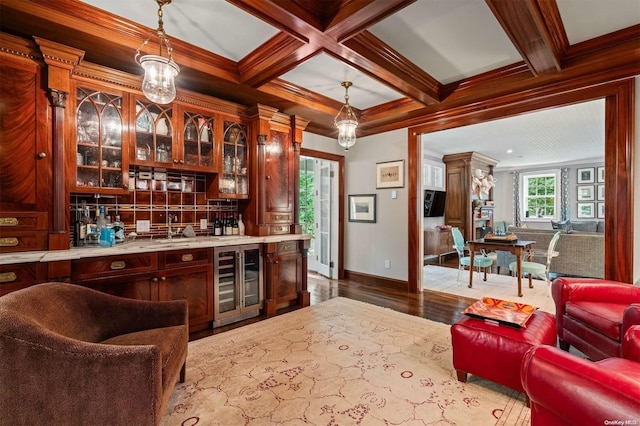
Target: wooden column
pixel 61 61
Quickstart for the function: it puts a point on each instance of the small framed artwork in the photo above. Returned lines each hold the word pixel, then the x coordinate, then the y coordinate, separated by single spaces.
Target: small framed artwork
pixel 585 211
pixel 601 174
pixel 362 208
pixel 585 193
pixel 600 210
pixel 390 174
pixel 586 175
pixel 600 192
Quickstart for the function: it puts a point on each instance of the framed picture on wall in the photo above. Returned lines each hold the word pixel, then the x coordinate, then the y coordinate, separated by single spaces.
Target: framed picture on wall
pixel 585 193
pixel 585 210
pixel 586 175
pixel 601 174
pixel 390 174
pixel 600 210
pixel 600 192
pixel 362 208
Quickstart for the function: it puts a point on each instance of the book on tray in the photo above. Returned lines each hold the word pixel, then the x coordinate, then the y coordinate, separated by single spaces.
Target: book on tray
pixel 501 311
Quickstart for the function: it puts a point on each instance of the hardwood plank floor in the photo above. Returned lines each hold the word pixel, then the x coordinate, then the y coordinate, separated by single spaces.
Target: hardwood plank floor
pixel 432 305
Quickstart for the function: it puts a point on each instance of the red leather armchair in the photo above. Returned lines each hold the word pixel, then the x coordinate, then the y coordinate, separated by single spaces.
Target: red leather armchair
pixel 593 315
pixel 565 389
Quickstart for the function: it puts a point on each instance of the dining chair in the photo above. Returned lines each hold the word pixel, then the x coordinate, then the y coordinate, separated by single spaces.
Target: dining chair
pixel 481 261
pixel 535 268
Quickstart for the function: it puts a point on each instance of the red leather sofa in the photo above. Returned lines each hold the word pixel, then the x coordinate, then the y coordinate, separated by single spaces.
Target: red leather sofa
pixel 565 389
pixel 593 315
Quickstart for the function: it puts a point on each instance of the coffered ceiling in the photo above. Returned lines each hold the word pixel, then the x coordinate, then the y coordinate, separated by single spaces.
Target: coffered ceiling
pixel 406 58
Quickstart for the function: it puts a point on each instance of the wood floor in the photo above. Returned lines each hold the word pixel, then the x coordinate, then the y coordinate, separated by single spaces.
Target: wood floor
pixel 432 305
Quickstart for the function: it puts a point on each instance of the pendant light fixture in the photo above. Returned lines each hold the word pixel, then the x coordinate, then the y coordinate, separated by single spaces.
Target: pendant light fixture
pixel 159 72
pixel 346 121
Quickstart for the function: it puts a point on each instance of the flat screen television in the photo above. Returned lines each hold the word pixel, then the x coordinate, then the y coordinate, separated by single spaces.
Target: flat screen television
pixel 434 203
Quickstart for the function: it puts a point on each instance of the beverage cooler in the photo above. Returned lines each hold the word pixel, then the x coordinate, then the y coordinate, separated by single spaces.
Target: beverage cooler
pixel 238 289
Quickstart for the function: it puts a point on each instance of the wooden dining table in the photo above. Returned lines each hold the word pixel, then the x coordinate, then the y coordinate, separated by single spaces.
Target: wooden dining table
pixel 515 247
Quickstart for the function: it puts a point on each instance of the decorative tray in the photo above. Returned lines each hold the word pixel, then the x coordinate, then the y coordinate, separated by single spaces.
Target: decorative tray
pixel 490 237
pixel 501 311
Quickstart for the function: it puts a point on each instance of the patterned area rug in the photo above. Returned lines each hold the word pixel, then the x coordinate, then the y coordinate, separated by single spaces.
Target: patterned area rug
pixel 503 287
pixel 340 362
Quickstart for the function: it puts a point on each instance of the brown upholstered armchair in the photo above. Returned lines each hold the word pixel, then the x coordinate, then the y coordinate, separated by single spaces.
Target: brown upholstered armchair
pixel 75 356
pixel 593 315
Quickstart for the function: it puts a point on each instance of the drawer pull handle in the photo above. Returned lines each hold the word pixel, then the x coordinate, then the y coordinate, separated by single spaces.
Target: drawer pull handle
pixel 8 221
pixel 187 257
pixel 7 277
pixel 8 242
pixel 287 247
pixel 118 264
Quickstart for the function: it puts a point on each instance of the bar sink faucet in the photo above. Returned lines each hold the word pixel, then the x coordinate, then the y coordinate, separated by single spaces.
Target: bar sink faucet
pixel 170 218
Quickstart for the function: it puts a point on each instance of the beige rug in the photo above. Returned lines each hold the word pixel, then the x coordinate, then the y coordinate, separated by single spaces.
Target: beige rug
pixel 340 362
pixel 504 287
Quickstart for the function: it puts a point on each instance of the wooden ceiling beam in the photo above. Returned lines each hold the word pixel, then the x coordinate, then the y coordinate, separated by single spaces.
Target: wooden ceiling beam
pixel 537 40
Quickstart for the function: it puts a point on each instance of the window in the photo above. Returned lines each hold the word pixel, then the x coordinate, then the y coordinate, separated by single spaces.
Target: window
pixel 540 195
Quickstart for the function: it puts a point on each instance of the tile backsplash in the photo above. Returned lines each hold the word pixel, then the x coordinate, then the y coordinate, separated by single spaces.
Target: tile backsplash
pixel 180 195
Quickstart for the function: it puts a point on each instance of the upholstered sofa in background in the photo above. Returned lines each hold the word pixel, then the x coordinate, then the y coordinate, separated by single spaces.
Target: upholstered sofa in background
pixel 581 254
pixel 75 356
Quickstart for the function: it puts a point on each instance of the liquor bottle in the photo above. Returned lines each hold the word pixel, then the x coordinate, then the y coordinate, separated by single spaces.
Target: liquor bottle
pixel 240 225
pixel 79 230
pixel 87 222
pixel 101 221
pixel 235 228
pixel 118 228
pixel 217 225
pixel 228 226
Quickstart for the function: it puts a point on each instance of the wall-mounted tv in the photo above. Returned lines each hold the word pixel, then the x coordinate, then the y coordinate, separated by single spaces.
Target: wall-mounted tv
pixel 434 203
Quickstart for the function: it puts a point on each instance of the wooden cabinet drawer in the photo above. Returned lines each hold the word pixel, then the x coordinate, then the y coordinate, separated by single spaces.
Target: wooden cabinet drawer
pixel 13 240
pixel 273 217
pixel 21 275
pixel 184 258
pixel 96 267
pixel 287 246
pixel 22 221
pixel 278 229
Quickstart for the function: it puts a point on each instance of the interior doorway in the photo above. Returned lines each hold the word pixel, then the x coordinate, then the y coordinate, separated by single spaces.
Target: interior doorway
pixel 320 213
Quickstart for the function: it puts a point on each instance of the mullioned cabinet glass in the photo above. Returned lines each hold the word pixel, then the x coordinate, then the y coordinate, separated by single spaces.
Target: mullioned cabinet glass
pixel 234 160
pixel 99 140
pixel 153 134
pixel 198 143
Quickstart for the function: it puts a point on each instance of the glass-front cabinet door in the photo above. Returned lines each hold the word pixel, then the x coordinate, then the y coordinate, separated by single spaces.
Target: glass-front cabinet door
pixel 237 282
pixel 198 143
pixel 234 180
pixel 99 134
pixel 153 134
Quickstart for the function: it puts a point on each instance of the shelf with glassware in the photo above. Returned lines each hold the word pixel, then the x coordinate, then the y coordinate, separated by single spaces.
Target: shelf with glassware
pixel 233 180
pixel 99 141
pixel 198 145
pixel 153 140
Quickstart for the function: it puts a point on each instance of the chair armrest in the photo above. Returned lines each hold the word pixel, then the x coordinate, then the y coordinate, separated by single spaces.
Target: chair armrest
pixel 563 386
pixel 593 289
pixel 95 383
pixel 631 344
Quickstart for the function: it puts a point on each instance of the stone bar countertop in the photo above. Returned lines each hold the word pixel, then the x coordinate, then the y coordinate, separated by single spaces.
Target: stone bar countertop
pixel 144 246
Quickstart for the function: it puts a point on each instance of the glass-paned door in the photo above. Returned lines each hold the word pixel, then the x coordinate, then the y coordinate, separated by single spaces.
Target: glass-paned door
pixel 252 278
pixel 234 160
pixel 226 282
pixel 154 133
pixel 323 175
pixel 99 131
pixel 198 140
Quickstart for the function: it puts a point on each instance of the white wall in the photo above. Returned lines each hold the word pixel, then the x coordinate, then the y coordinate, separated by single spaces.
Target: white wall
pixel 368 245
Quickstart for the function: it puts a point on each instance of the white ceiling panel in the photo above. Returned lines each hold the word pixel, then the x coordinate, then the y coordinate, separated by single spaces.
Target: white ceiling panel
pixel 570 134
pixel 587 19
pixel 323 74
pixel 213 25
pixel 428 33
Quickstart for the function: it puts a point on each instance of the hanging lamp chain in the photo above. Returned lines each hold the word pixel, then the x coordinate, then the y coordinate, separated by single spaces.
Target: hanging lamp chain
pixel 159 32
